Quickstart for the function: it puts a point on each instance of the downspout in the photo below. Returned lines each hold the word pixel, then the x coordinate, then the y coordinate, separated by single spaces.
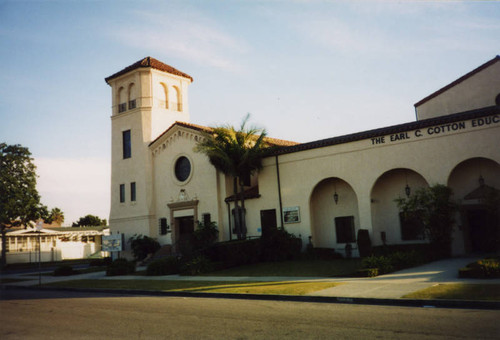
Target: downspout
pixel 229 219
pixel 279 190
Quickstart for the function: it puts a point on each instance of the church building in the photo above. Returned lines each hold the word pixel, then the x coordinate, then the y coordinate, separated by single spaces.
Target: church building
pixel 322 191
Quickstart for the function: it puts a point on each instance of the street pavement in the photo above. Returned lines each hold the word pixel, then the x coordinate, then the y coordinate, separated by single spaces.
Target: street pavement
pixel 390 286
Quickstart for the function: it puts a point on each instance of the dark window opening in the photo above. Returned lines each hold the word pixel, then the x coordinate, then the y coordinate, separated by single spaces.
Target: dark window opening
pixel 497 100
pixel 122 193
pixel 344 229
pixel 132 192
pixel 132 104
pixel 163 226
pixel 246 178
pixel 412 227
pixel 268 220
pixel 122 107
pixel 206 219
pixel 182 169
pixel 238 216
pixel 127 144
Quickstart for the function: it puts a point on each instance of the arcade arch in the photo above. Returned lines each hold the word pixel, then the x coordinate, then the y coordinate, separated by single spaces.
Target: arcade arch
pixel 395 183
pixel 334 214
pixel 475 183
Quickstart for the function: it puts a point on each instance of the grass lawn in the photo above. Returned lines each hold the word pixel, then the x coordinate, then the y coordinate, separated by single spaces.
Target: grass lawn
pixel 459 291
pixel 239 287
pixel 319 268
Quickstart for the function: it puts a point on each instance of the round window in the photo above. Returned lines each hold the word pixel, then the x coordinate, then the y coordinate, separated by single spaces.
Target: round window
pixel 182 169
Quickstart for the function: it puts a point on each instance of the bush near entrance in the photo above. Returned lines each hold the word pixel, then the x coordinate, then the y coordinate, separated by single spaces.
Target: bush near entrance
pixel 120 267
pixel 482 269
pixel 142 246
pixel 434 208
pixel 383 264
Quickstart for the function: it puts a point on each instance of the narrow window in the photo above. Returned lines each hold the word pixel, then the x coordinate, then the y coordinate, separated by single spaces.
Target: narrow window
pixel 268 221
pixel 127 146
pixel 163 226
pixel 132 191
pixel 344 229
pixel 122 193
pixel 206 219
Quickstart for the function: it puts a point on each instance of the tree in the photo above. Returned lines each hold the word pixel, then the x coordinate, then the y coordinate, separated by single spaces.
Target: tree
pixel 237 153
pixel 434 208
pixel 142 246
pixel 57 216
pixel 89 221
pixel 19 199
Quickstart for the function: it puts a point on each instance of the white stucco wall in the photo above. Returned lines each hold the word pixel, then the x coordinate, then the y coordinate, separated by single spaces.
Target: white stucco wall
pixel 479 90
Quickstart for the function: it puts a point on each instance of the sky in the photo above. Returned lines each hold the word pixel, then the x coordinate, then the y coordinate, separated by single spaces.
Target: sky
pixel 304 70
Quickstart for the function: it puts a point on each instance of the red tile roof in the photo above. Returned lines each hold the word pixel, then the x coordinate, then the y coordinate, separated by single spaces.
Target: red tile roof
pixel 459 80
pixel 269 140
pixel 152 63
pixel 455 117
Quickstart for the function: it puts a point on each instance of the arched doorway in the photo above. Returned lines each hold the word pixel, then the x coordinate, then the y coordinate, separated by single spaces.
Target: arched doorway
pixel 386 225
pixel 334 215
pixel 475 183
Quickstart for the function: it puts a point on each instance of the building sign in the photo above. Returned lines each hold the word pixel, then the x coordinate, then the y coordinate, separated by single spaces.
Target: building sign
pixel 437 130
pixel 112 242
pixel 291 215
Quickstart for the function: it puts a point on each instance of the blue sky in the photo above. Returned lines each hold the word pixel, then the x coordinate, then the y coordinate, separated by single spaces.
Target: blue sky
pixel 305 70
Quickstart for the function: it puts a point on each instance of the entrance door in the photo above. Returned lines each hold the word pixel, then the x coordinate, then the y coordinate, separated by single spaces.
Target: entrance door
pixel 268 220
pixel 482 230
pixel 185 229
pixel 185 226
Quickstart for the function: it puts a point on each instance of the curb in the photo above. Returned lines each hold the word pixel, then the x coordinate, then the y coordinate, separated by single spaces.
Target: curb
pixel 459 304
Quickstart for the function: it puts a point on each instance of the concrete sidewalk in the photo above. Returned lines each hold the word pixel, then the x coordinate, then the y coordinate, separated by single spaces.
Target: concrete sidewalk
pixel 391 286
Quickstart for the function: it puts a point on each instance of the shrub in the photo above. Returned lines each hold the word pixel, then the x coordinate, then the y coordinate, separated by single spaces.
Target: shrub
pixel 422 249
pixel 382 263
pixel 434 208
pixel 64 270
pixel 323 254
pixel 278 245
pixel 142 246
pixel 205 235
pixel 197 265
pixel 100 262
pixel 393 261
pixel 481 269
pixel 234 253
pixel 166 266
pixel 120 267
pixel 402 260
pixel 367 272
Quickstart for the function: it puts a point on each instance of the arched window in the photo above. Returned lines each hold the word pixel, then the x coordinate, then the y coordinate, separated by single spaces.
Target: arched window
pixel 175 99
pixel 132 103
pixel 163 96
pixel 122 100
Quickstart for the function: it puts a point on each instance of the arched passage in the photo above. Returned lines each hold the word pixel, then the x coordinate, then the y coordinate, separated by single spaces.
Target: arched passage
pixel 388 187
pixel 334 214
pixel 475 183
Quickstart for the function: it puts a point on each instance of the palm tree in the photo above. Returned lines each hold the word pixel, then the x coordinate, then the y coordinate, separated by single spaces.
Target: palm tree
pixel 56 216
pixel 237 153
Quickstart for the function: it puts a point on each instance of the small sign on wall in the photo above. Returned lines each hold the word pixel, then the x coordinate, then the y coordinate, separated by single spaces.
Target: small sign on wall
pixel 291 214
pixel 112 242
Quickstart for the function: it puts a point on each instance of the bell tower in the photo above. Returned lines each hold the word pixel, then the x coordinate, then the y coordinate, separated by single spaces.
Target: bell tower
pixel 147 98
